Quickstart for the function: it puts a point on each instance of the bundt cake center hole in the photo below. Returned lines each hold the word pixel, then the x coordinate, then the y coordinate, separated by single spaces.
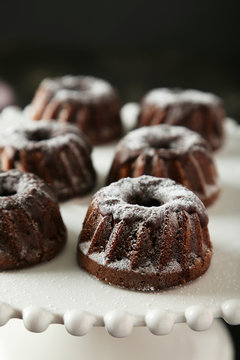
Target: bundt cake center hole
pixel 76 87
pixel 145 202
pixel 38 135
pixel 161 145
pixel 169 143
pixel 82 87
pixel 7 192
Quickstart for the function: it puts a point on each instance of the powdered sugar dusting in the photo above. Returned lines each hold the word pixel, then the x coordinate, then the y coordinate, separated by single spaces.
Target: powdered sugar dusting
pixel 57 134
pixel 78 88
pixel 23 184
pixel 117 199
pixel 163 97
pixel 124 264
pixel 178 139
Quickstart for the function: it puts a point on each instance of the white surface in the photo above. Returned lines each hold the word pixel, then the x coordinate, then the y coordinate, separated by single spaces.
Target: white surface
pixel 59 291
pixel 56 343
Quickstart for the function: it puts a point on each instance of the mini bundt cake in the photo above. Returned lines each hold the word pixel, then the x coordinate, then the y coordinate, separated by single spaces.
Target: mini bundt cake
pixel 196 110
pixel 90 103
pixel 31 226
pixel 57 153
pixel 171 152
pixel 146 234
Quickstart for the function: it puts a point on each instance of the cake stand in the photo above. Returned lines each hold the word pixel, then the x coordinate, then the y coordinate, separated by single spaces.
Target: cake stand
pixel 59 292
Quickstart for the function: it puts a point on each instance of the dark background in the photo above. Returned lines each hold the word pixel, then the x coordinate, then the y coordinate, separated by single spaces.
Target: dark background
pixel 136 45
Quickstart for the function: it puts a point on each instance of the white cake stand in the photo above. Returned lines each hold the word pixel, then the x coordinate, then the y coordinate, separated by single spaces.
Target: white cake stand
pixel 59 292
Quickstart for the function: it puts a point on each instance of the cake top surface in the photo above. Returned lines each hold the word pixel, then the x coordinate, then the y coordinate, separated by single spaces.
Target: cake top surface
pixel 163 97
pixel 16 185
pixel 77 87
pixel 149 199
pixel 42 134
pixel 166 140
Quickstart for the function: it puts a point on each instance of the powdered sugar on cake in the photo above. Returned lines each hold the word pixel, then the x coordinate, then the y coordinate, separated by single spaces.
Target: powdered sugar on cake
pixel 83 88
pixel 171 197
pixel 178 140
pixel 22 135
pixel 163 97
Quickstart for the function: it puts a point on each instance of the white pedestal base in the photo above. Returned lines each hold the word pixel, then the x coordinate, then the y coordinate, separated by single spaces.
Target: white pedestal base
pixel 55 343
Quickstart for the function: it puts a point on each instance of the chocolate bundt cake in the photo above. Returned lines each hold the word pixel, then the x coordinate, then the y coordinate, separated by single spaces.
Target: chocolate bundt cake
pixel 57 153
pixel 198 111
pixel 90 103
pixel 31 227
pixel 171 152
pixel 146 234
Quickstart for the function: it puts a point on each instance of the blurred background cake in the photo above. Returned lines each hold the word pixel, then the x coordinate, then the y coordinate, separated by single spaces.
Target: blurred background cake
pixel 91 104
pixel 199 111
pixel 167 151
